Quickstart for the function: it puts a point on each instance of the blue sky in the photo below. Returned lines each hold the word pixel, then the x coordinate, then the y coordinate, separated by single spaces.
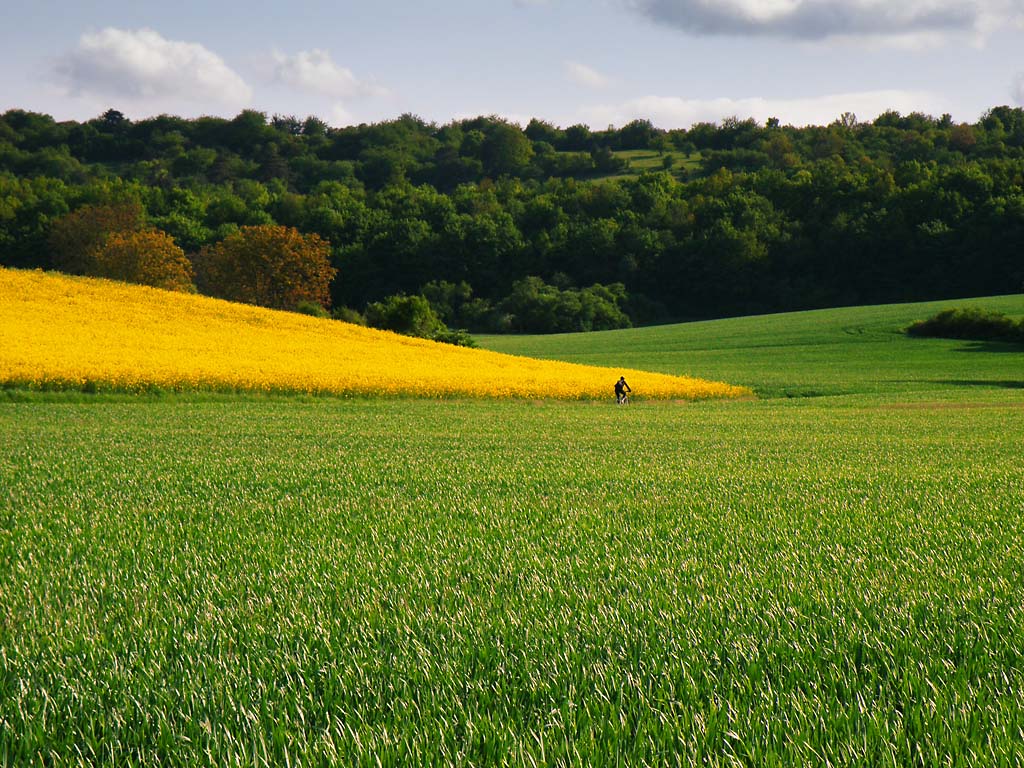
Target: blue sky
pixel 600 62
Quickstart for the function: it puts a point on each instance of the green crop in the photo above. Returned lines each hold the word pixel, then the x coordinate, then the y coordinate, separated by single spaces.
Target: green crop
pixel 798 354
pixel 253 581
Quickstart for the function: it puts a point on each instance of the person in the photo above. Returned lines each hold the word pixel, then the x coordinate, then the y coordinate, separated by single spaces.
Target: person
pixel 621 388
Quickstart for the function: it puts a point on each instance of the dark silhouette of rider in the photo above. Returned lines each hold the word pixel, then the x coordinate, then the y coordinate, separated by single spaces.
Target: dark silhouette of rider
pixel 621 388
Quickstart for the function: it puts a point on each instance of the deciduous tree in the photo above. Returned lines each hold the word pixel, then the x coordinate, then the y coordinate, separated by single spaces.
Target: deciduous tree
pixel 76 237
pixel 268 265
pixel 147 257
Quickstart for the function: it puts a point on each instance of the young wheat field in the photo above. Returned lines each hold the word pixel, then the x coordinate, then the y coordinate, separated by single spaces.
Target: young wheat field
pixel 208 579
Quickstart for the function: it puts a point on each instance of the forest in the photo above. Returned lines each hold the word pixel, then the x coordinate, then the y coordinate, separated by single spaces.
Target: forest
pixel 504 228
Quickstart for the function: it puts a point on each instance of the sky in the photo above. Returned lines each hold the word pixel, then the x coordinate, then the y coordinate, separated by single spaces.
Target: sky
pixel 598 62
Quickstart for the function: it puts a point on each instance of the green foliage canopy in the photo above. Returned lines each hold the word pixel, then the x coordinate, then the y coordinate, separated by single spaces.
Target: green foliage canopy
pixel 749 218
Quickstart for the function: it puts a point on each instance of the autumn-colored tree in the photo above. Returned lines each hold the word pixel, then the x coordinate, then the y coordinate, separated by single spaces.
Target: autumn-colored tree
pixel 76 237
pixel 268 265
pixel 962 137
pixel 147 257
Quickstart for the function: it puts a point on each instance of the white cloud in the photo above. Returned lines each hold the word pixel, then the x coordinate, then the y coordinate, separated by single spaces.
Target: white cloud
pixel 820 19
pixel 673 112
pixel 1018 89
pixel 144 68
pixel 581 74
pixel 341 117
pixel 315 71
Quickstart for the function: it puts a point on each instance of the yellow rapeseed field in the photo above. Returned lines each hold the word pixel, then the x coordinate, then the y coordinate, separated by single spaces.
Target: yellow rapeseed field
pixel 60 332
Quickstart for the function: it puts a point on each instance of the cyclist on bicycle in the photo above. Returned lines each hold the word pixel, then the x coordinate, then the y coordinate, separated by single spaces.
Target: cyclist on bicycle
pixel 621 388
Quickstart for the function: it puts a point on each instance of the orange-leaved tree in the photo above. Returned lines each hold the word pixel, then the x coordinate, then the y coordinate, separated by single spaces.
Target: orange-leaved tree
pixel 268 265
pixel 146 256
pixel 77 236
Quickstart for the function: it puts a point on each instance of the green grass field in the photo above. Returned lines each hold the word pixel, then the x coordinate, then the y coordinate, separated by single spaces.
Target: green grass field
pixel 825 352
pixel 641 160
pixel 209 580
pixel 645 160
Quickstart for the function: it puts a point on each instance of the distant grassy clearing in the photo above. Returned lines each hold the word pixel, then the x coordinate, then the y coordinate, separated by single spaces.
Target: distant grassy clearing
pixel 641 160
pixel 288 581
pixel 834 351
pixel 645 160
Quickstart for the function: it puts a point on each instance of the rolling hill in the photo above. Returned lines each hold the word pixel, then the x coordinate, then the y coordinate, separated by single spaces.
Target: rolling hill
pixel 62 332
pixel 821 352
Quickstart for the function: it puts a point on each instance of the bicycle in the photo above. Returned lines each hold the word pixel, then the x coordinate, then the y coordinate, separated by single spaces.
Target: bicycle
pixel 624 400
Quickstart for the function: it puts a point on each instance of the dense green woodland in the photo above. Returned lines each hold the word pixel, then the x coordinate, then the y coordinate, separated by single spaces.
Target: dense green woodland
pixel 743 218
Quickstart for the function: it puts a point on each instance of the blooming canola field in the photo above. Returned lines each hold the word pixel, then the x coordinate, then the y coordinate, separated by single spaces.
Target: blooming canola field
pixel 61 332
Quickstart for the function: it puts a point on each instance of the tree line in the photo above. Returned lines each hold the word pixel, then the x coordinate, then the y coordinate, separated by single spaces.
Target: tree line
pixel 503 228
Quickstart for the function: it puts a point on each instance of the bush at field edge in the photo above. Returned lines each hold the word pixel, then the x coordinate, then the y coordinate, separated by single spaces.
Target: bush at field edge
pixel 972 324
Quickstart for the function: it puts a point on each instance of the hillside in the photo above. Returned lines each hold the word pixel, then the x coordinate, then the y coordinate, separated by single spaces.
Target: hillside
pixel 750 218
pixel 835 351
pixel 78 333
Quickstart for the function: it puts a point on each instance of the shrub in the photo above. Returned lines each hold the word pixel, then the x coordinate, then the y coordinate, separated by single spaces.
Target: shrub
pixel 348 315
pixel 975 324
pixel 414 316
pixel 459 337
pixel 312 309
